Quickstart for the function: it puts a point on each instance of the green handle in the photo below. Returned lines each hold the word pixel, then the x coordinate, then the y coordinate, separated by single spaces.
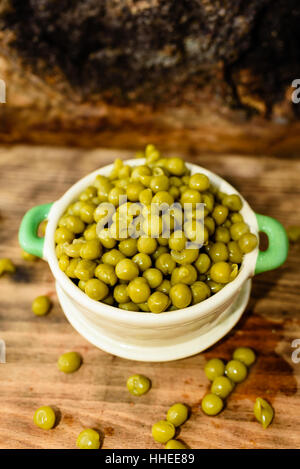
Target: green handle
pixel 28 239
pixel 278 248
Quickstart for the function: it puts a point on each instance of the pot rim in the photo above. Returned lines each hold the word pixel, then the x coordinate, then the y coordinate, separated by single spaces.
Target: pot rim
pixel 167 318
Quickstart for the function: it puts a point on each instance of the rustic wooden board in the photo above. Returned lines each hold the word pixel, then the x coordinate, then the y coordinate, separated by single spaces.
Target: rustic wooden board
pixel 96 395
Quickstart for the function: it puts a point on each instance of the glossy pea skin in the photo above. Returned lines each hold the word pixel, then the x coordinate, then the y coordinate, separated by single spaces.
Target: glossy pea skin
pixel 139 290
pixel 158 302
pixel 138 384
pixel 200 291
pixel 154 277
pixel 212 404
pixel 263 412
pixel 127 270
pixel 121 294
pixel 96 289
pixel 203 263
pixel 222 387
pixel 41 305
pixel 236 371
pixel 220 272
pixel 175 444
pixel 220 214
pixel 237 230
pixel 146 245
pixel 163 431
pixel 214 368
pixel 247 242
pixel 218 252
pixel 84 269
pixel 128 247
pixel 180 295
pixel 106 273
pixel 177 414
pixel 88 439
pixel 233 202
pixel 69 362
pixel 200 182
pixel 177 240
pixel 44 417
pixel 245 355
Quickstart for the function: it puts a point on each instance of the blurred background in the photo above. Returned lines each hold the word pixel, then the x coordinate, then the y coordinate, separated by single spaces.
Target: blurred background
pixel 193 75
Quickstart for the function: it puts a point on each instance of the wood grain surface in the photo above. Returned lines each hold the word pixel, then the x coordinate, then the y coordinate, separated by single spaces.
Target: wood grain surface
pixel 96 395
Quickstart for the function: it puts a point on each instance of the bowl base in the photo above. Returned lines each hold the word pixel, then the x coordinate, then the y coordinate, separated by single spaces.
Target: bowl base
pixel 157 353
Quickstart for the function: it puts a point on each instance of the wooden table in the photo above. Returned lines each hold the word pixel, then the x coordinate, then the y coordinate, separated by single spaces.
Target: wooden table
pixel 96 396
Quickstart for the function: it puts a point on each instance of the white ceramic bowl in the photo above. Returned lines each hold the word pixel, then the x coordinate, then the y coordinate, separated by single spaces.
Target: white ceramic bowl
pixel 147 336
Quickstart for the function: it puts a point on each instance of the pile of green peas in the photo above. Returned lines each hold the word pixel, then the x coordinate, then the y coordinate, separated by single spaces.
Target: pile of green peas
pixel 225 377
pixel 153 272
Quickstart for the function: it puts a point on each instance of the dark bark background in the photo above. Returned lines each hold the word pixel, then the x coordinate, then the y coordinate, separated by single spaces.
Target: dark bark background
pixel 200 74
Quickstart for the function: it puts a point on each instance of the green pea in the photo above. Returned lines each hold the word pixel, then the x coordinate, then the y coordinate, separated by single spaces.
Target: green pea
pixel 71 268
pixel 128 247
pixel 293 233
pixel 129 306
pixel 27 257
pixel 96 289
pixel 121 294
pixel 106 273
pixel 44 417
pixel 146 245
pixel 139 290
pixel 177 414
pixel 222 386
pixel 74 224
pixel 244 355
pixel 220 214
pixel 176 166
pixel 236 371
pixel 87 212
pixel 214 368
pixel 200 182
pixel 7 266
pixel 165 286
pixel 112 257
pixel 222 235
pixel 220 272
pixel 180 295
pixel 247 242
pixel 235 253
pixel 163 431
pixel 142 261
pixel 158 302
pixel 138 385
pixel 184 274
pixel 218 252
pixel 263 412
pixel 203 263
pixel 200 292
pixel 165 263
pixel 63 235
pixel 69 362
pixel 153 276
pixel 212 404
pixel 91 232
pixel 41 305
pixel 237 230
pixel 175 444
pixel 233 202
pixel 177 240
pixel 85 269
pixel 88 439
pixel 91 249
pixel 127 270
